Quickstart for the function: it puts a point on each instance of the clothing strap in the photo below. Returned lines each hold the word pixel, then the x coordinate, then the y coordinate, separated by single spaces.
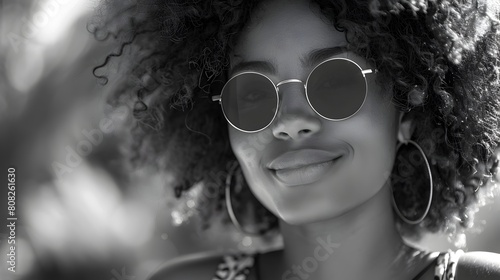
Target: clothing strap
pixel 257 266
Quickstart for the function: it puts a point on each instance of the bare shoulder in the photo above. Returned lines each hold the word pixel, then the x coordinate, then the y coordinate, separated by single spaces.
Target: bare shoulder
pixel 478 265
pixel 200 266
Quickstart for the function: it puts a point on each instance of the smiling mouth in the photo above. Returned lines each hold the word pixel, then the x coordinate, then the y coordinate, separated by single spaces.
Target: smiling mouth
pixel 306 174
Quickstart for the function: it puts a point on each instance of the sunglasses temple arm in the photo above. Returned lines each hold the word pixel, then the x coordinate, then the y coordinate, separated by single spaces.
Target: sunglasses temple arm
pixel 368 71
pixel 216 98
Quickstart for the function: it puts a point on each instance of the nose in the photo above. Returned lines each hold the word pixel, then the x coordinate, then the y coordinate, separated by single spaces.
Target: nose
pixel 295 119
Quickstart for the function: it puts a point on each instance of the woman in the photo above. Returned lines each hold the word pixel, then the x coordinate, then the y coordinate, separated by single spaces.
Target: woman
pixel 342 125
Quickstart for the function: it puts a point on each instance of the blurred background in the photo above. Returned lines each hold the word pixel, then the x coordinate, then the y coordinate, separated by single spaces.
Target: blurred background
pixel 82 212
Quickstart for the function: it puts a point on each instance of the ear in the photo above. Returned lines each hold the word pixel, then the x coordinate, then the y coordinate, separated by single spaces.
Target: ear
pixel 405 127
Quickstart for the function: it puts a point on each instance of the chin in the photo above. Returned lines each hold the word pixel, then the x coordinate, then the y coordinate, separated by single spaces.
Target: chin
pixel 309 208
pixel 303 218
pixel 309 212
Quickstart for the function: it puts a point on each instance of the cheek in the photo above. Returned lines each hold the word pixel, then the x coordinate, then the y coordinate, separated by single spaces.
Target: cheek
pixel 375 157
pixel 380 119
pixel 249 147
pixel 374 143
pixel 240 147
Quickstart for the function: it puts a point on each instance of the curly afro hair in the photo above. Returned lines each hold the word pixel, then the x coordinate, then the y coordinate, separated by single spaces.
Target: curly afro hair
pixel 441 56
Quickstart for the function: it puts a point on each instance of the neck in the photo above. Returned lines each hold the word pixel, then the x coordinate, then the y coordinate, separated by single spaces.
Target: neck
pixel 360 244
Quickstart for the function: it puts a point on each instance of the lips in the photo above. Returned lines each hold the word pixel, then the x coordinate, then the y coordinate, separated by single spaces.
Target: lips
pixel 300 158
pixel 304 166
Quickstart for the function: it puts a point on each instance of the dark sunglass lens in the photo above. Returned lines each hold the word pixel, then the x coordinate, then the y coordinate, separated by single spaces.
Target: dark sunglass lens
pixel 249 101
pixel 336 89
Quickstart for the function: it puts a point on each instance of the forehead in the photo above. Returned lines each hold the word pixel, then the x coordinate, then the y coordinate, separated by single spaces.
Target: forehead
pixel 283 32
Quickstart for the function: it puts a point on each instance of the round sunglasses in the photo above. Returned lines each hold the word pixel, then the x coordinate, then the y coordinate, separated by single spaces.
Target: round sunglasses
pixel 335 89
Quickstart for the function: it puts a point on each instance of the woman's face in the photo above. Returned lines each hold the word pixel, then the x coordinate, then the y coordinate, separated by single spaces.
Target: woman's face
pixel 283 35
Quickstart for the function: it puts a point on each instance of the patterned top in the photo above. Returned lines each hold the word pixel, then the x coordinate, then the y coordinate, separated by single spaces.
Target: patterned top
pixel 238 266
pixel 235 267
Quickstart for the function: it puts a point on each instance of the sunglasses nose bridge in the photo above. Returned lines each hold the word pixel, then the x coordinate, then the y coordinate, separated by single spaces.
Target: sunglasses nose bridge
pixel 289 81
pixel 288 97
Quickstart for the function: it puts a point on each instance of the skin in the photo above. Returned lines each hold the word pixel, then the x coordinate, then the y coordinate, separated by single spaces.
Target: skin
pixel 351 206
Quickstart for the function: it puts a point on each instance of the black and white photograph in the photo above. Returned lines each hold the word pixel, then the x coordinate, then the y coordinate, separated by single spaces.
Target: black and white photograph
pixel 250 139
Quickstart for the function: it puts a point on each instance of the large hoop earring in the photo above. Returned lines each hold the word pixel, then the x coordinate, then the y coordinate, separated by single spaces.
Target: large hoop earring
pixel 428 206
pixel 229 204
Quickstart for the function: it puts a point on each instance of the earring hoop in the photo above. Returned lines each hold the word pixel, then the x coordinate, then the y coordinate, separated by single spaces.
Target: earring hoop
pixel 229 204
pixel 396 208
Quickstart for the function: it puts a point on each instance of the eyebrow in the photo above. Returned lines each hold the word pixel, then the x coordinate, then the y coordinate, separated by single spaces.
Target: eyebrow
pixel 257 65
pixel 313 58
pixel 316 56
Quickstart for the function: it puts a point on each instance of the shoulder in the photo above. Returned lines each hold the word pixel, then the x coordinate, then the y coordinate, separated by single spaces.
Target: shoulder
pixel 194 266
pixel 478 265
pixel 204 266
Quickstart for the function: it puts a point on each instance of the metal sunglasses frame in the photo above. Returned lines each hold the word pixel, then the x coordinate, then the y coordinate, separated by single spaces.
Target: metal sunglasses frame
pixel 276 89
